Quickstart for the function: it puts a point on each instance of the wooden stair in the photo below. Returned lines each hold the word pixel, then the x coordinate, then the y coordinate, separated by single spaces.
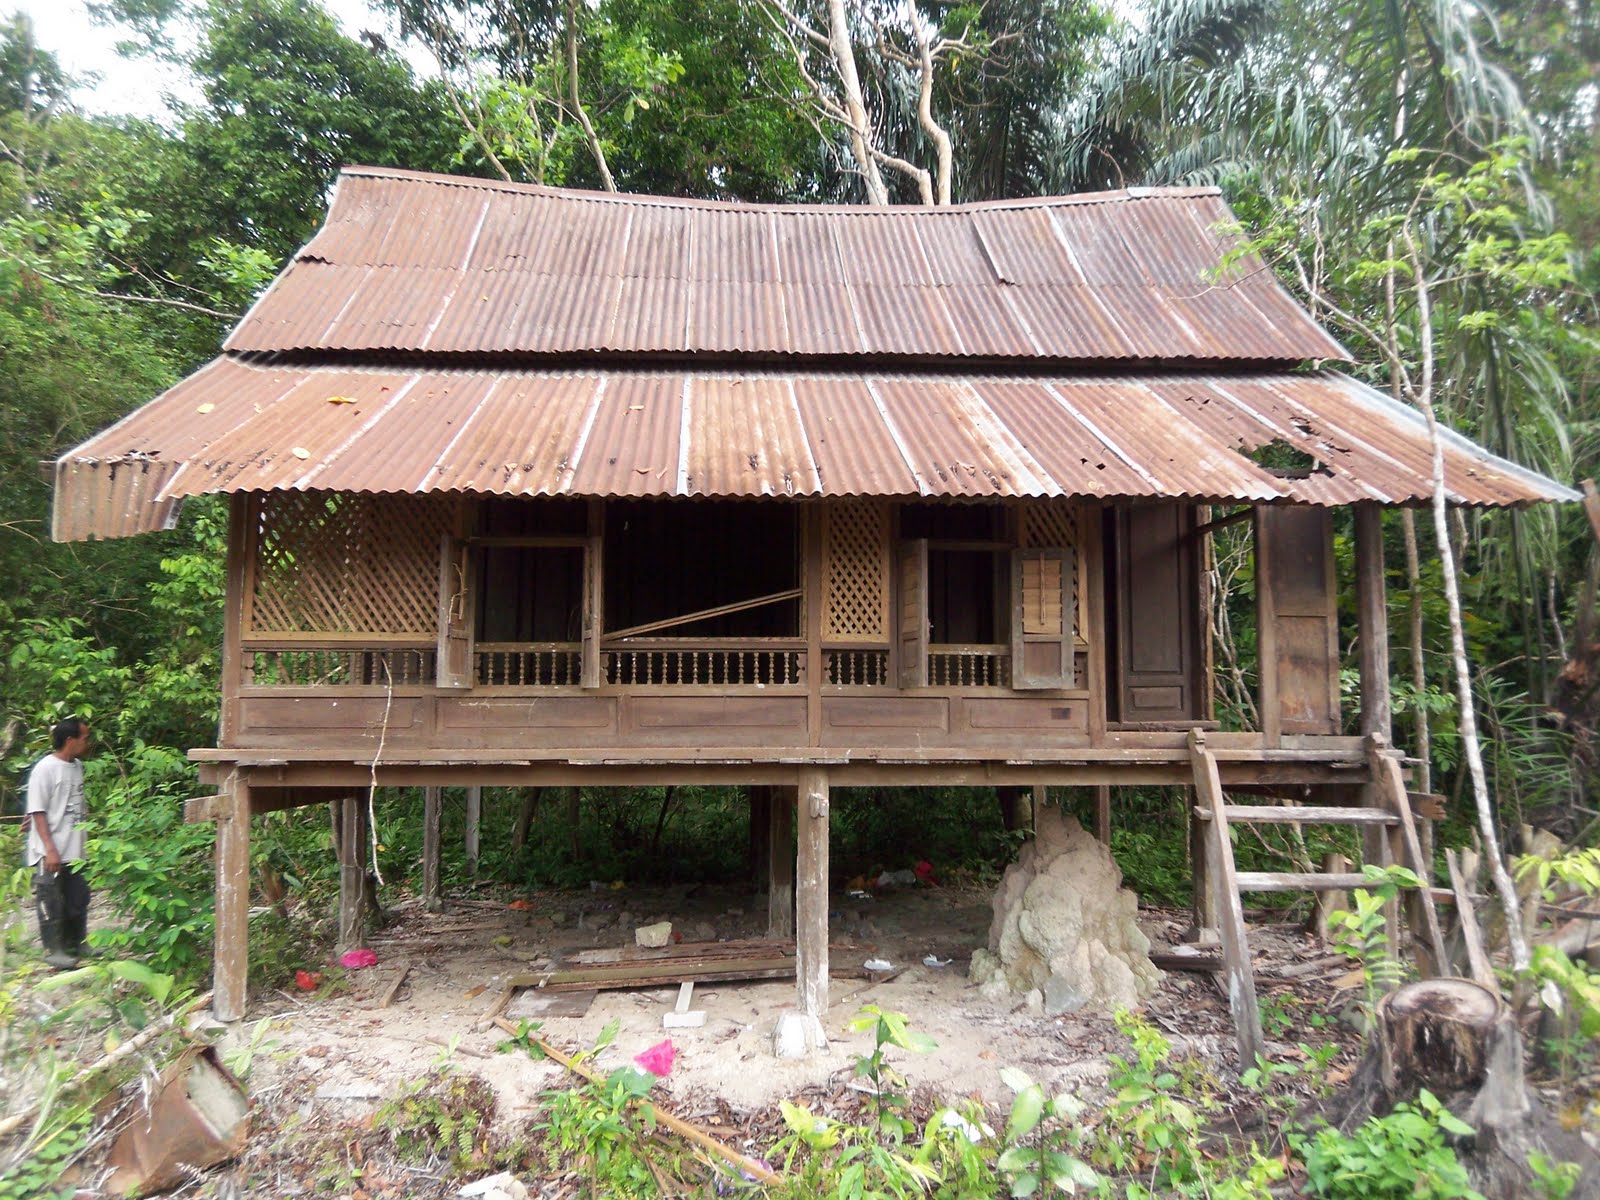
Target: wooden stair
pixel 1398 843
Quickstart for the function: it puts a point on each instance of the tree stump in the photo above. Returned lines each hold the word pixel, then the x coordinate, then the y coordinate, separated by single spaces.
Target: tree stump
pixel 1434 1034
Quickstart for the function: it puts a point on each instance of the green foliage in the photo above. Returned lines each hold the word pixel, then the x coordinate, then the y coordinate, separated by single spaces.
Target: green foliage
pixel 1361 933
pixel 37 1169
pixel 1401 1156
pixel 1043 1141
pixel 1553 1180
pixel 155 870
pixel 442 1116
pixel 888 1029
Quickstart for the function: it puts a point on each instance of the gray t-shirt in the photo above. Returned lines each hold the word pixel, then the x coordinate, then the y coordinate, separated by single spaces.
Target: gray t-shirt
pixel 55 788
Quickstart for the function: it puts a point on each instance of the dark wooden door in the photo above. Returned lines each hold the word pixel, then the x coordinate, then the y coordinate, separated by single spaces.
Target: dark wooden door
pixel 1157 628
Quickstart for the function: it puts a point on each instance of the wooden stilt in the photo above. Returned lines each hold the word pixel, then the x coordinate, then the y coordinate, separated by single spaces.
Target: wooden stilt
pixel 474 820
pixel 811 900
pixel 780 863
pixel 352 872
pixel 432 897
pixel 1230 911
pixel 1203 931
pixel 230 971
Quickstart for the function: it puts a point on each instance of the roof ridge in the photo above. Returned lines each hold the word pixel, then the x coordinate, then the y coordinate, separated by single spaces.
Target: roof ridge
pixel 581 195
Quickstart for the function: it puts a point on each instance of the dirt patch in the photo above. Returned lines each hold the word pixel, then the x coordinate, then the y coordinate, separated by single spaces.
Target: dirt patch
pixel 346 1052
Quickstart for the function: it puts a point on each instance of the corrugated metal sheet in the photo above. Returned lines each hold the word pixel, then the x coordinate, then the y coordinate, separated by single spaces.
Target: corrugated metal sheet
pixel 410 262
pixel 236 426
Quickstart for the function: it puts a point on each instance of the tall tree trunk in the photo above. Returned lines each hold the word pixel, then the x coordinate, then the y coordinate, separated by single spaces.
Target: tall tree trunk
pixel 1509 901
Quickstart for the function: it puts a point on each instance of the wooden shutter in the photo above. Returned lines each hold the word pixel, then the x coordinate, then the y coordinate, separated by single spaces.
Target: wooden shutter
pixel 1298 620
pixel 1041 617
pixel 911 572
pixel 456 667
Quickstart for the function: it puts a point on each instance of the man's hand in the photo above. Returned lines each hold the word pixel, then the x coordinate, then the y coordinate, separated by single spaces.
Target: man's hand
pixel 52 860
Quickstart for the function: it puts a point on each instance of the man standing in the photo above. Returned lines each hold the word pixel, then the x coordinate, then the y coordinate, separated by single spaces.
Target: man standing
pixel 55 844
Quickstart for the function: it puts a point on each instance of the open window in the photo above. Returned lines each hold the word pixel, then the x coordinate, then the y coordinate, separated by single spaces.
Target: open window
pixel 514 594
pixel 702 593
pixel 953 578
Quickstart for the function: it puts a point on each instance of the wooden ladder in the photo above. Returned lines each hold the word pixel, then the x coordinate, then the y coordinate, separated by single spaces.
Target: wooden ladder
pixel 1399 844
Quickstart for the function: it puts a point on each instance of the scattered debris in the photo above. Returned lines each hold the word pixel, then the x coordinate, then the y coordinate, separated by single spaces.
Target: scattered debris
pixel 681 1017
pixel 504 1186
pixel 653 937
pixel 198 1117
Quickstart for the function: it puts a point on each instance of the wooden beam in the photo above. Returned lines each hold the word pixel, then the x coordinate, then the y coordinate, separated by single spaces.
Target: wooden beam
pixel 811 902
pixel 432 896
pixel 1372 621
pixel 230 971
pixel 1225 887
pixel 780 862
pixel 201 809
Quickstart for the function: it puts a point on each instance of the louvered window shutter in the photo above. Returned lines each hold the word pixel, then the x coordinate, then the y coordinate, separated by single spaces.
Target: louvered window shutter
pixel 1041 618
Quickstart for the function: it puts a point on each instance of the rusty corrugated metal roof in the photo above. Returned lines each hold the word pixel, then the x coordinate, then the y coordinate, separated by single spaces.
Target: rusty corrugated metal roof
pixel 438 264
pixel 241 426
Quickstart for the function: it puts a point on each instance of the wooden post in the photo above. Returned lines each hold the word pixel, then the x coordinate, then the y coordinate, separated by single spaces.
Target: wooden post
pixel 1267 703
pixel 780 863
pixel 1102 814
pixel 811 901
pixel 352 871
pixel 432 898
pixel 474 818
pixel 230 970
pixel 1372 639
pixel 1372 621
pixel 236 613
pixel 1203 930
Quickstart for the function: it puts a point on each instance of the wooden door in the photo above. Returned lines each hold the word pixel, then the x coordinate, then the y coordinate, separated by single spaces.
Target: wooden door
pixel 1298 620
pixel 911 627
pixel 1157 582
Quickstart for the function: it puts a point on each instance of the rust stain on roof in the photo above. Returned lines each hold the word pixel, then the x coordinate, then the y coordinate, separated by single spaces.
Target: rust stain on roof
pixel 762 433
pixel 439 264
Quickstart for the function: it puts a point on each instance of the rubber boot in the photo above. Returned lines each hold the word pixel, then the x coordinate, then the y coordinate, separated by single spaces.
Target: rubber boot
pixel 51 934
pixel 76 936
pixel 52 926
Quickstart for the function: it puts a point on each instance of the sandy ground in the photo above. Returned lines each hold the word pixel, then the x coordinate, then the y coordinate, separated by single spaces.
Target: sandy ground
pixel 349 1054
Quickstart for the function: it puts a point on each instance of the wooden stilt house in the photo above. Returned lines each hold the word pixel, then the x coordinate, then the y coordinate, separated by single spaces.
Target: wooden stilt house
pixel 536 487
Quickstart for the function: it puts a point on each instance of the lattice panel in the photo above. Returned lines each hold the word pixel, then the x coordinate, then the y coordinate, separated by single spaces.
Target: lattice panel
pixel 856 572
pixel 1050 523
pixel 331 562
pixel 1055 523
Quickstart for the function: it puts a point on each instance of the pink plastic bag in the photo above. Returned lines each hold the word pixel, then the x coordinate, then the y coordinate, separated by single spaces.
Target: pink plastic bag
pixel 658 1059
pixel 356 959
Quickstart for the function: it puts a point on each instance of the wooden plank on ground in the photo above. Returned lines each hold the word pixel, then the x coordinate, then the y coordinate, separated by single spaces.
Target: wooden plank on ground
pixel 1477 958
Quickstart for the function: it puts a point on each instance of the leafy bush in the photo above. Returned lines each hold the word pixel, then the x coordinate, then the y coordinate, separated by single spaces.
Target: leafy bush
pixel 1402 1156
pixel 153 869
pixel 445 1116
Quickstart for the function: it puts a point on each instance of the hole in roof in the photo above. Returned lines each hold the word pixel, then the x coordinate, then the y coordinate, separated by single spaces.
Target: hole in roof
pixel 1279 458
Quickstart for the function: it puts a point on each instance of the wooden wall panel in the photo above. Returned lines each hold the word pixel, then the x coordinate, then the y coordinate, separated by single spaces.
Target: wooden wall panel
pixel 715 713
pixel 458 714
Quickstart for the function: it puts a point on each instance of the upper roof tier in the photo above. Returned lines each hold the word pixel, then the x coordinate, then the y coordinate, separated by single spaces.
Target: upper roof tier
pixel 416 263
